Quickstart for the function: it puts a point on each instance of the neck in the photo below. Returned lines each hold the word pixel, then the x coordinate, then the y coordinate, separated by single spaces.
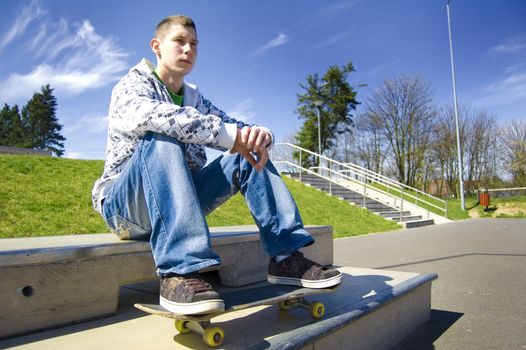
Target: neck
pixel 173 82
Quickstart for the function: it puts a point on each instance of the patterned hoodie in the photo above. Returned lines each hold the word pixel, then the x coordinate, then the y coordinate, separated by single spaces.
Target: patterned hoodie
pixel 141 104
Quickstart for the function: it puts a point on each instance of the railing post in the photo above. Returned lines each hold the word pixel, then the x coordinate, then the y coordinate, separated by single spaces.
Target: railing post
pixel 330 177
pixel 401 205
pixel 301 164
pixel 364 191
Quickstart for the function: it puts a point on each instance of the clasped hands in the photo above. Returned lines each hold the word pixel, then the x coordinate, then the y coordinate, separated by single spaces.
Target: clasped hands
pixel 252 143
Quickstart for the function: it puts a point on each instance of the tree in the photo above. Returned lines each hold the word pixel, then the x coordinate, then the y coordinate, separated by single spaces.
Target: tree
pixel 12 131
pixel 479 150
pixel 514 151
pixel 337 98
pixel 370 147
pixel 39 116
pixel 444 148
pixel 401 111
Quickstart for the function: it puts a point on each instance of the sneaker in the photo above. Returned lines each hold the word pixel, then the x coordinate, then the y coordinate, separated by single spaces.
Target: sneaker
pixel 297 270
pixel 189 295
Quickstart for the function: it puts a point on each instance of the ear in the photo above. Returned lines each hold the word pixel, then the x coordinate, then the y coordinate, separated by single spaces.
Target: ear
pixel 155 45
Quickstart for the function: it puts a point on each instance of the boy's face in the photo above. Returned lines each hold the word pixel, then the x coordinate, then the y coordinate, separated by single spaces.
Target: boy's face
pixel 177 50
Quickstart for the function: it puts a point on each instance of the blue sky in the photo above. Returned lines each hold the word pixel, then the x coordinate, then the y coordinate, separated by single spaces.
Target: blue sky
pixel 254 54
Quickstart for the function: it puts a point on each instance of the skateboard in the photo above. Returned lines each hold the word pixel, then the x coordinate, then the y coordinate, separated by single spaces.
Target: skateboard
pixel 285 297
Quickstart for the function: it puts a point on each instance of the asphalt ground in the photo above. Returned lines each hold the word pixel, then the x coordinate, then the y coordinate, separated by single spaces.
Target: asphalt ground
pixel 479 298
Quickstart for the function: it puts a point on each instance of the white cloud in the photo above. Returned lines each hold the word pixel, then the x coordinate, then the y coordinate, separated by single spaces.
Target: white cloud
pixel 73 155
pixel 243 110
pixel 512 45
pixel 88 123
pixel 384 68
pixel 29 13
pixel 510 90
pixel 71 61
pixel 281 39
pixel 333 40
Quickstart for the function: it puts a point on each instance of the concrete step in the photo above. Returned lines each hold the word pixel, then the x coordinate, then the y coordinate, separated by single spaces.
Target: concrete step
pixel 393 214
pixel 419 223
pixel 408 218
pixel 373 309
pixel 351 196
pixel 49 281
pixel 376 206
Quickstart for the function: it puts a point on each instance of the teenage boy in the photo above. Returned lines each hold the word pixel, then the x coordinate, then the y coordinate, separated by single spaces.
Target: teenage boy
pixel 155 183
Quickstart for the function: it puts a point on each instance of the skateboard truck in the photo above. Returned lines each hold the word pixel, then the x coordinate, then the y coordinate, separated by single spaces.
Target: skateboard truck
pixel 214 336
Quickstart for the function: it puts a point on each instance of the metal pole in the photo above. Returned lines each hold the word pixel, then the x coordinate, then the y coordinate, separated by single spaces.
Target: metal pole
pixel 401 206
pixel 317 104
pixel 319 134
pixel 301 165
pixel 460 171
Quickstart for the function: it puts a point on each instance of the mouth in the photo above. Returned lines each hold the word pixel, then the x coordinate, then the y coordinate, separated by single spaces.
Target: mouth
pixel 186 61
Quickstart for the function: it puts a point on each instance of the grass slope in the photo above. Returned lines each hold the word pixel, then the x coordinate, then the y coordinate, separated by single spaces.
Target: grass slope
pixel 42 196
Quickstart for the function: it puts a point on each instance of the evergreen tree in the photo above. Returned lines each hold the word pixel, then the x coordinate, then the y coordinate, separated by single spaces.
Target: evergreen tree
pixel 333 98
pixel 39 116
pixel 12 131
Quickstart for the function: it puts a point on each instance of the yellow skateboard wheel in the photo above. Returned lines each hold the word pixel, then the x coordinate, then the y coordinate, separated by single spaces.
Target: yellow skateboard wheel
pixel 317 310
pixel 284 305
pixel 213 336
pixel 181 327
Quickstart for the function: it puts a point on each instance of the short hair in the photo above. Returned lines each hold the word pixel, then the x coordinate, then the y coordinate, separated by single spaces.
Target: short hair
pixel 162 27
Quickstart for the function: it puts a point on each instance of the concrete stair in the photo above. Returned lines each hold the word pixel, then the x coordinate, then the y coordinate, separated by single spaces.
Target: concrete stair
pixel 77 292
pixel 407 219
pixel 373 309
pixel 51 281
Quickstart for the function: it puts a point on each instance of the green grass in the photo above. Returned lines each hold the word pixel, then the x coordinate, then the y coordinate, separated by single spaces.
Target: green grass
pixel 454 209
pixel 42 196
pixel 47 196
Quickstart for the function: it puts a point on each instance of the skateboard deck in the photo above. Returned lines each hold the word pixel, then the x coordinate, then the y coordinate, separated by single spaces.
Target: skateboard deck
pixel 285 297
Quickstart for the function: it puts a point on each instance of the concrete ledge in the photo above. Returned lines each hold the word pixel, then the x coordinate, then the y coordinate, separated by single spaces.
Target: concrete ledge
pixel 24 151
pixel 50 281
pixel 377 321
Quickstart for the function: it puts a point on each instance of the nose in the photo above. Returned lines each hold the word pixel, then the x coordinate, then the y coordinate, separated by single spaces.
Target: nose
pixel 187 47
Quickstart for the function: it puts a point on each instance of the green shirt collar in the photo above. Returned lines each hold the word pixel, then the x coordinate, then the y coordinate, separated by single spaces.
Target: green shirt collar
pixel 176 98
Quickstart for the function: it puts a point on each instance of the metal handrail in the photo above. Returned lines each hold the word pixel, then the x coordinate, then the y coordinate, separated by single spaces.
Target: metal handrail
pixel 364 177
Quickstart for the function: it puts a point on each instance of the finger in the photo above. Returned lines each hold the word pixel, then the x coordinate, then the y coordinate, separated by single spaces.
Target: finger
pixel 262 161
pixel 248 156
pixel 254 132
pixel 244 134
pixel 261 142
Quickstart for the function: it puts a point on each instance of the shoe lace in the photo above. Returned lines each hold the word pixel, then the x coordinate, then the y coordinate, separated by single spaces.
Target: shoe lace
pixel 197 285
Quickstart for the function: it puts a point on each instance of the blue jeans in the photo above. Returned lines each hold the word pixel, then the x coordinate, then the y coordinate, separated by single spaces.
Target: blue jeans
pixel 157 197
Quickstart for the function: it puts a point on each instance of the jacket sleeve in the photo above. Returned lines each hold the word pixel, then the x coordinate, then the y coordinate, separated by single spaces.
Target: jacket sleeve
pixel 137 108
pixel 208 107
